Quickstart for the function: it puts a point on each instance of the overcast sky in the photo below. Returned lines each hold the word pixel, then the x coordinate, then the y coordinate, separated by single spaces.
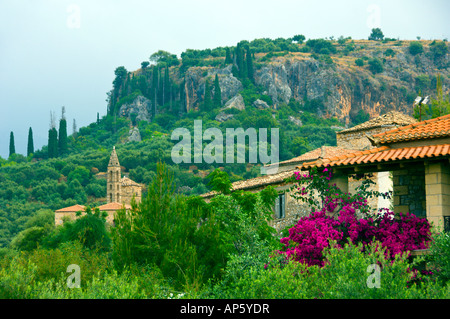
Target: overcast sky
pixel 64 53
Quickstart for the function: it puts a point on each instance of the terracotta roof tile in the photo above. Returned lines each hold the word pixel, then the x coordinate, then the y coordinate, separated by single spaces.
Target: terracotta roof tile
pixel 434 128
pixel 113 207
pixel 383 154
pixel 71 209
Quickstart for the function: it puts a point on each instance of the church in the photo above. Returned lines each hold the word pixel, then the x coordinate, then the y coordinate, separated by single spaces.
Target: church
pixel 120 191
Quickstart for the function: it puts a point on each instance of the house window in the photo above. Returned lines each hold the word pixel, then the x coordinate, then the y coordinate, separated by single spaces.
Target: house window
pixel 280 206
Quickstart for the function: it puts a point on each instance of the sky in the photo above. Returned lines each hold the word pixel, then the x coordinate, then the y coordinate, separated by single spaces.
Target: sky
pixel 56 53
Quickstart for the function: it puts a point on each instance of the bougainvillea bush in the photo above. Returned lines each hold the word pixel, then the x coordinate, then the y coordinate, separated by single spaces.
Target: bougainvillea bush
pixel 336 218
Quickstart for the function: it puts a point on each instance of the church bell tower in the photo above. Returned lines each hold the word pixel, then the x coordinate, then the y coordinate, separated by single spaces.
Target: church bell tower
pixel 113 179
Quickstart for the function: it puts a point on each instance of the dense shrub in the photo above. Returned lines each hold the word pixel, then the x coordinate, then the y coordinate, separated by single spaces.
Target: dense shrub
pixel 349 273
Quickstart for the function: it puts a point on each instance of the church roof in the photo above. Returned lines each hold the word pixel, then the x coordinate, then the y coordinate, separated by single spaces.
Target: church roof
pixel 114 160
pixel 125 181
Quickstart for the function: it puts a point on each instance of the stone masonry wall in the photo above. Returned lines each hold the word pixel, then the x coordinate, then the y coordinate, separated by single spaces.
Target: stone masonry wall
pixel 409 191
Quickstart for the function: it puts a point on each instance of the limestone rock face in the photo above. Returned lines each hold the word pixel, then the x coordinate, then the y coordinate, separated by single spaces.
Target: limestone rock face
pixel 236 102
pixel 295 120
pixel 134 135
pixel 195 84
pixel 275 79
pixel 260 104
pixel 222 117
pixel 141 106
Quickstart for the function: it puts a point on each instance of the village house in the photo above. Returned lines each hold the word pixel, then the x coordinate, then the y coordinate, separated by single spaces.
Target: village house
pixel 418 156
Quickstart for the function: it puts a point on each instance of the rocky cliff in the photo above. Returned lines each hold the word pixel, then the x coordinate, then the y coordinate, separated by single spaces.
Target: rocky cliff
pixel 334 85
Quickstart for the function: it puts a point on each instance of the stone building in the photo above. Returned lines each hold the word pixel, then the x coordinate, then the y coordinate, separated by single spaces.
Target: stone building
pixel 68 213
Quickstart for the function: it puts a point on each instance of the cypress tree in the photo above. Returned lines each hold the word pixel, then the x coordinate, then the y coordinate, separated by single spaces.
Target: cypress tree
pixel 240 61
pixel 52 143
pixel 62 139
pixel 167 88
pixel 154 89
pixel 217 93
pixel 250 71
pixel 30 146
pixel 12 146
pixel 228 59
pixel 52 138
pixel 207 98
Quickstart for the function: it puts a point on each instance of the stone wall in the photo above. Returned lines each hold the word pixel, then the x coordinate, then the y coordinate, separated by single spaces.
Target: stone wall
pixel 358 140
pixel 127 192
pixel 437 177
pixel 409 190
pixel 294 210
pixel 61 217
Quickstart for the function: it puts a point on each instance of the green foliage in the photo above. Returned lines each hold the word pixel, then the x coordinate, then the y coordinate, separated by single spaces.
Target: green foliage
pixel 361 117
pixel 299 38
pixel 321 46
pixel 90 230
pixel 217 93
pixel 220 182
pixel 376 34
pixel 375 65
pixel 12 146
pixel 359 62
pixel 345 276
pixel 162 230
pixel 30 144
pixel 389 52
pixel 52 143
pixel 438 49
pixel 438 261
pixel 437 106
pixel 62 138
pixel 415 47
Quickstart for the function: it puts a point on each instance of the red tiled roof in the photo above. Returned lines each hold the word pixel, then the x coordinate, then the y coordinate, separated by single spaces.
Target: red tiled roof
pixel 435 128
pixel 71 209
pixel 382 154
pixel 113 207
pixel 425 130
